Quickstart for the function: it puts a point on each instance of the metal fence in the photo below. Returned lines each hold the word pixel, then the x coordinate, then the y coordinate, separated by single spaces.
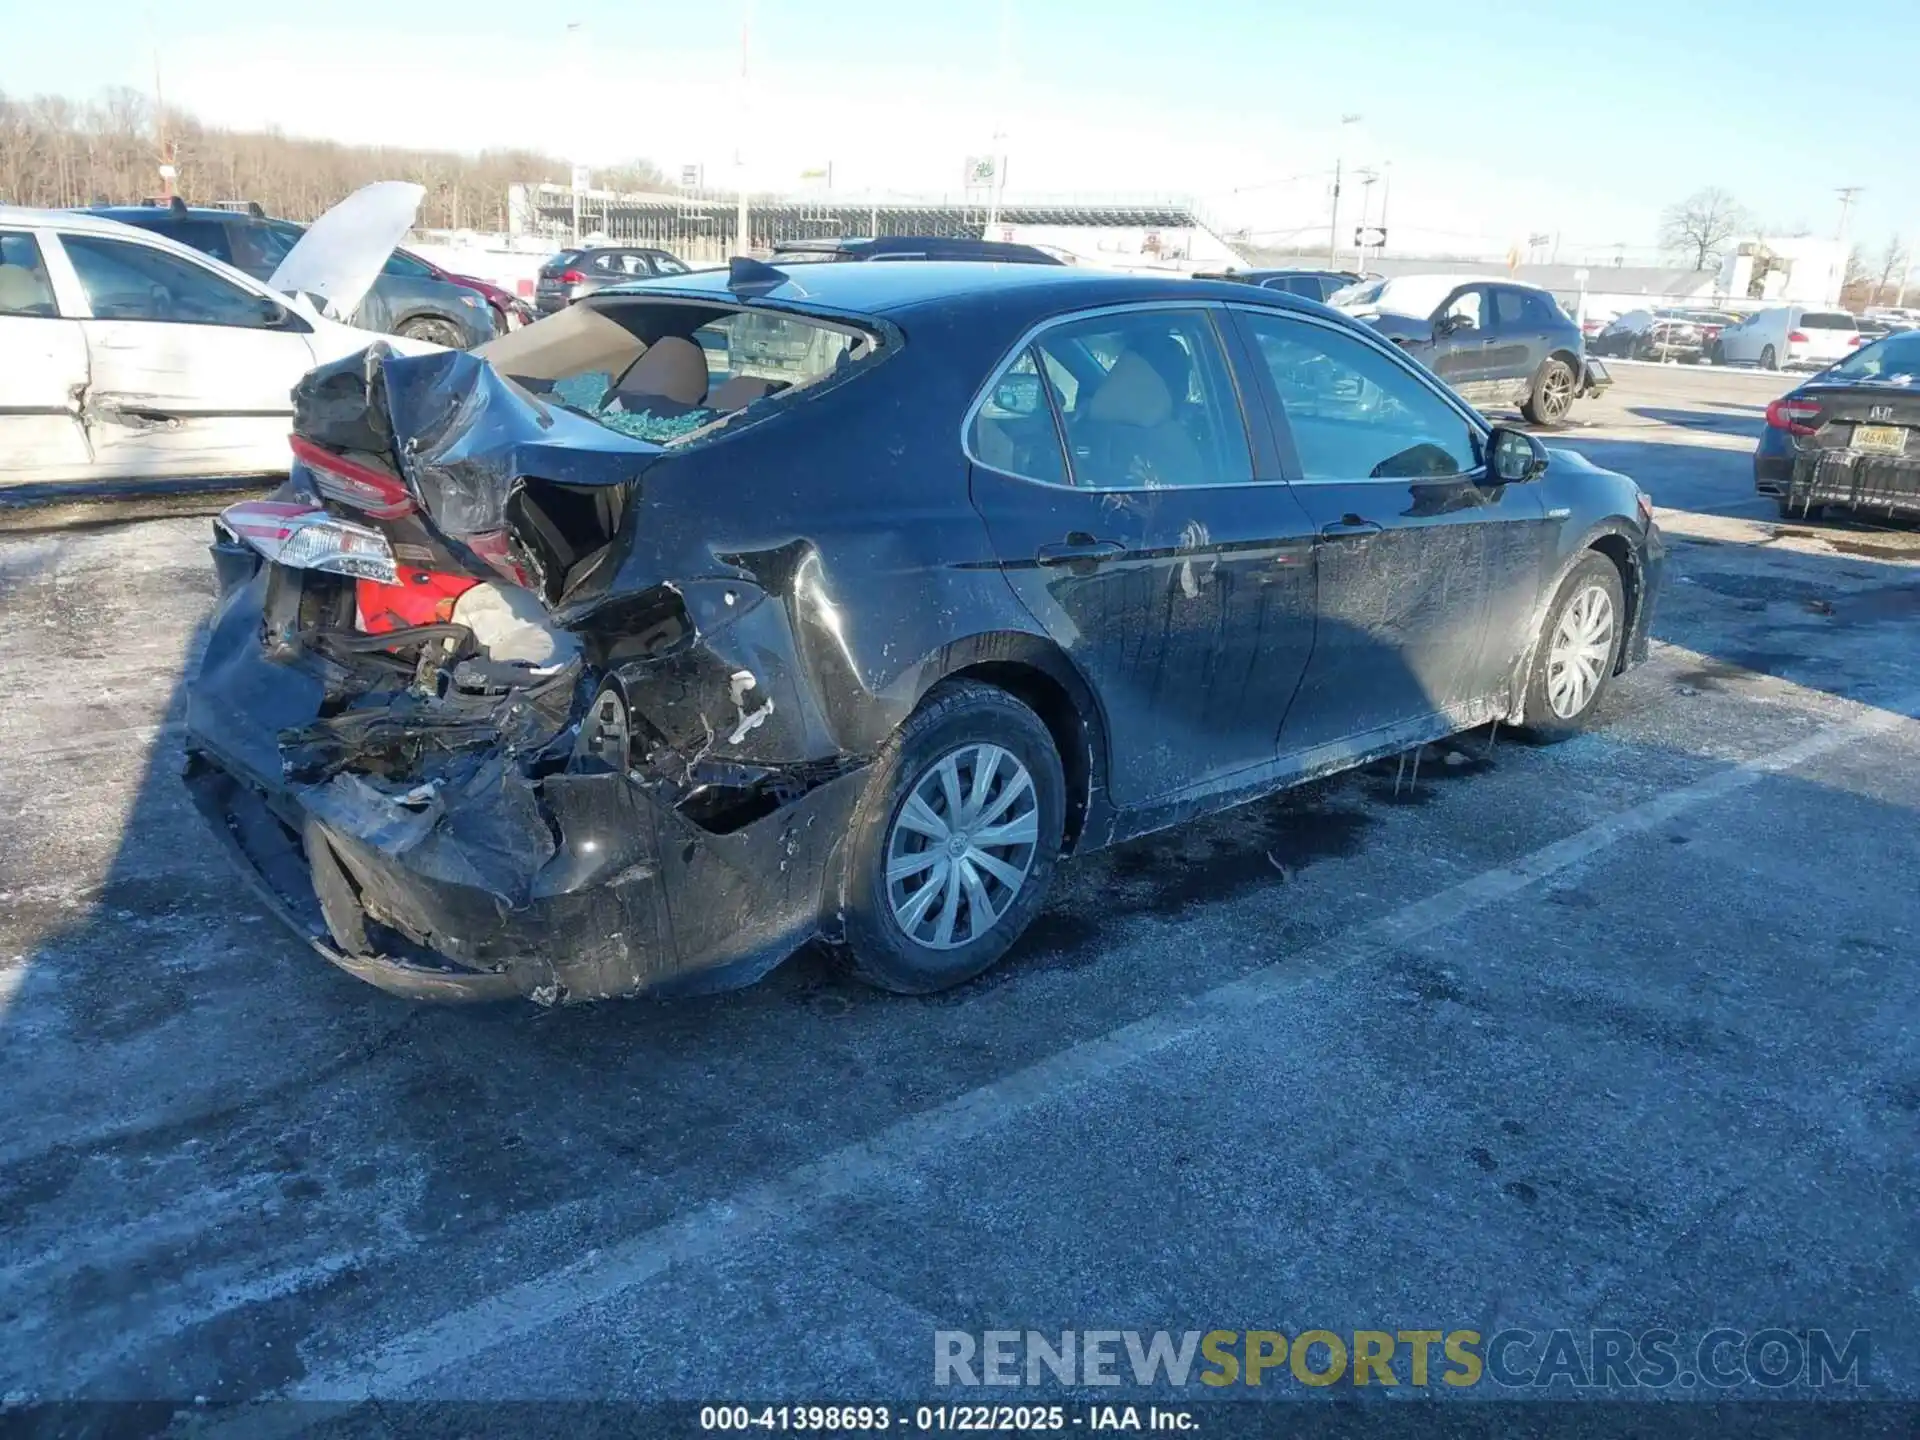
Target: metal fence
pixel 700 226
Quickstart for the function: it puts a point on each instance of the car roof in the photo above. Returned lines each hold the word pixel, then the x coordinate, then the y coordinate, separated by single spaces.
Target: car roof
pixel 147 212
pixel 890 289
pixel 80 222
pixel 85 222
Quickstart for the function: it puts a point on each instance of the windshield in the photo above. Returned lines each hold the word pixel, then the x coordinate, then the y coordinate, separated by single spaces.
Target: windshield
pixel 1892 361
pixel 1409 295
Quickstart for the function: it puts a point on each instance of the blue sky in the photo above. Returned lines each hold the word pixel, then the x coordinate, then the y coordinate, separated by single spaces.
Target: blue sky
pixel 1580 120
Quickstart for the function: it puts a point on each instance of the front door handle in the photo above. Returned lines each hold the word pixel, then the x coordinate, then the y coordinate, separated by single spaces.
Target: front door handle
pixel 1350 527
pixel 1080 550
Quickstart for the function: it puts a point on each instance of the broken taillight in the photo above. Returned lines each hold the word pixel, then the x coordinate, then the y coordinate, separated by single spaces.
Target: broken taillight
pixel 494 547
pixel 1792 415
pixel 366 489
pixel 304 538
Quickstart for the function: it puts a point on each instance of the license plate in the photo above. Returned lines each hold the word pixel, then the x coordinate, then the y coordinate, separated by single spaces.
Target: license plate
pixel 1880 439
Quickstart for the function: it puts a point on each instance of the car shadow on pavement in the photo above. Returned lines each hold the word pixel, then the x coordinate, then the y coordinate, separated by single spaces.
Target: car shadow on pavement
pixel 226 1155
pixel 1702 419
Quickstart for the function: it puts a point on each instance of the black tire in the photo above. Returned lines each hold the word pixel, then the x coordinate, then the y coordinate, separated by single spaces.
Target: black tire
pixel 435 331
pixel 1717 353
pixel 1539 720
pixel 1768 359
pixel 1790 511
pixel 1551 395
pixel 955 716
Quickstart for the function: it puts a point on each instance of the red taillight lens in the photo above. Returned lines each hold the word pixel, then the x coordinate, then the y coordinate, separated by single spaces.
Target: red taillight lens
pixel 351 483
pixel 493 547
pixel 1856 340
pixel 1791 416
pixel 572 277
pixel 1794 337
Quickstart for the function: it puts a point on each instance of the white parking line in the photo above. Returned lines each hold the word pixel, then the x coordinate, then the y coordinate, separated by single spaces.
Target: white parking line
pixel 716 1228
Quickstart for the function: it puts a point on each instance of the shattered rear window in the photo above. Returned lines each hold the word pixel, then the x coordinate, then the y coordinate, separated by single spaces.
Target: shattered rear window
pixel 665 371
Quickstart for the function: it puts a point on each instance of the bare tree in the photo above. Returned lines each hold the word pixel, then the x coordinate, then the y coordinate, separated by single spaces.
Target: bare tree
pixel 56 152
pixel 1699 227
pixel 1893 261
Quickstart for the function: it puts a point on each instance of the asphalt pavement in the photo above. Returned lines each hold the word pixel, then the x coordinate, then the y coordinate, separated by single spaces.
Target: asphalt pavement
pixel 1615 1034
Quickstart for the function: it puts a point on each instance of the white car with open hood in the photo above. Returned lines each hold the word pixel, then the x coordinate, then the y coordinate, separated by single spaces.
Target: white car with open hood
pixel 125 356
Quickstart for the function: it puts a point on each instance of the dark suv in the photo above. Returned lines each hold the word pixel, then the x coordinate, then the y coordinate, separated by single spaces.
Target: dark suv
pixel 1312 284
pixel 407 297
pixel 1496 342
pixel 574 274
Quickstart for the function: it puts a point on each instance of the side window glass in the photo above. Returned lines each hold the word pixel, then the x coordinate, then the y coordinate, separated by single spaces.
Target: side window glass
pixel 1013 430
pixel 209 237
pixel 1356 413
pixel 24 287
pixel 135 282
pixel 1152 405
pixel 1463 313
pixel 259 248
pixel 667 265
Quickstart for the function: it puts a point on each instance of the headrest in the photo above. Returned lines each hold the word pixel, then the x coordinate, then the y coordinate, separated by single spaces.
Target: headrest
pixel 21 289
pixel 1132 394
pixel 672 368
pixel 739 392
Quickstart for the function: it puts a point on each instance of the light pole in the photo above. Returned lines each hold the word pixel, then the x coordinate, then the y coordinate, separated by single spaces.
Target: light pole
pixel 574 170
pixel 1333 221
pixel 1367 179
pixel 998 188
pixel 743 241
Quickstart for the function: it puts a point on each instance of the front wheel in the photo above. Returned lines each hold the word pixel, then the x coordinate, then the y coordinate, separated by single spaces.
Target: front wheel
pixel 954 841
pixel 1552 394
pixel 435 331
pixel 1578 648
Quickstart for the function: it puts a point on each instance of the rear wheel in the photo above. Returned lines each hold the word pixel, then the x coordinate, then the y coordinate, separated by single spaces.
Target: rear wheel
pixel 1768 359
pixel 1578 648
pixel 434 331
pixel 1552 394
pixel 954 841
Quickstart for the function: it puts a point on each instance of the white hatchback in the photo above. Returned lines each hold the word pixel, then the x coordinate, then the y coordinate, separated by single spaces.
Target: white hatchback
pixel 1789 335
pixel 125 356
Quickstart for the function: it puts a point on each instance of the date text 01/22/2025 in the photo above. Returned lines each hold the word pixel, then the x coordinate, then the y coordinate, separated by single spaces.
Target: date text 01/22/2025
pixel 843 1419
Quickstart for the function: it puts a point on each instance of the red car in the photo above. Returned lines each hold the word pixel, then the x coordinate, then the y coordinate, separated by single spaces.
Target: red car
pixel 510 312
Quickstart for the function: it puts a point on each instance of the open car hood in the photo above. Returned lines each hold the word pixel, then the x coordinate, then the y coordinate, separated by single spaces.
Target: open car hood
pixel 336 262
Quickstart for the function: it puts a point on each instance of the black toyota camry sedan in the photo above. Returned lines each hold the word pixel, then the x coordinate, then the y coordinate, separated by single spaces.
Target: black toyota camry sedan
pixel 725 612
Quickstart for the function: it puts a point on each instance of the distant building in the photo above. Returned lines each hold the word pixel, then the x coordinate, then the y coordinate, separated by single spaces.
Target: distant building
pixel 1786 270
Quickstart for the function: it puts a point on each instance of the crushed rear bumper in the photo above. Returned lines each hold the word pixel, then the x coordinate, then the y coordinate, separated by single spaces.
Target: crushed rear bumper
pixel 498 879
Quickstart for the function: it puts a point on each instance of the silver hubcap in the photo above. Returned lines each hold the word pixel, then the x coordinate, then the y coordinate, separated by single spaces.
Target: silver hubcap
pixel 962 846
pixel 1581 651
pixel 1557 394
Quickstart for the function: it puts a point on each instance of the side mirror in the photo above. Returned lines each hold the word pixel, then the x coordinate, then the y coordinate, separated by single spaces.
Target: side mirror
pixel 1514 457
pixel 1451 325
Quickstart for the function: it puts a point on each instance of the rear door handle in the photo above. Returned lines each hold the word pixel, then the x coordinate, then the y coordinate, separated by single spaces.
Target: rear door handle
pixel 1080 549
pixel 1349 527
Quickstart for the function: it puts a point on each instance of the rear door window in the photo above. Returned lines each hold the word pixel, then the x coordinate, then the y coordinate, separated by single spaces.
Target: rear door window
pixel 25 289
pixel 1151 405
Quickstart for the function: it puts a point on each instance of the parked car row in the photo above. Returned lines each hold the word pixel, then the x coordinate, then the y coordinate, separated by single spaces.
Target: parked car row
pixel 126 355
pixel 410 296
pixel 1687 336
